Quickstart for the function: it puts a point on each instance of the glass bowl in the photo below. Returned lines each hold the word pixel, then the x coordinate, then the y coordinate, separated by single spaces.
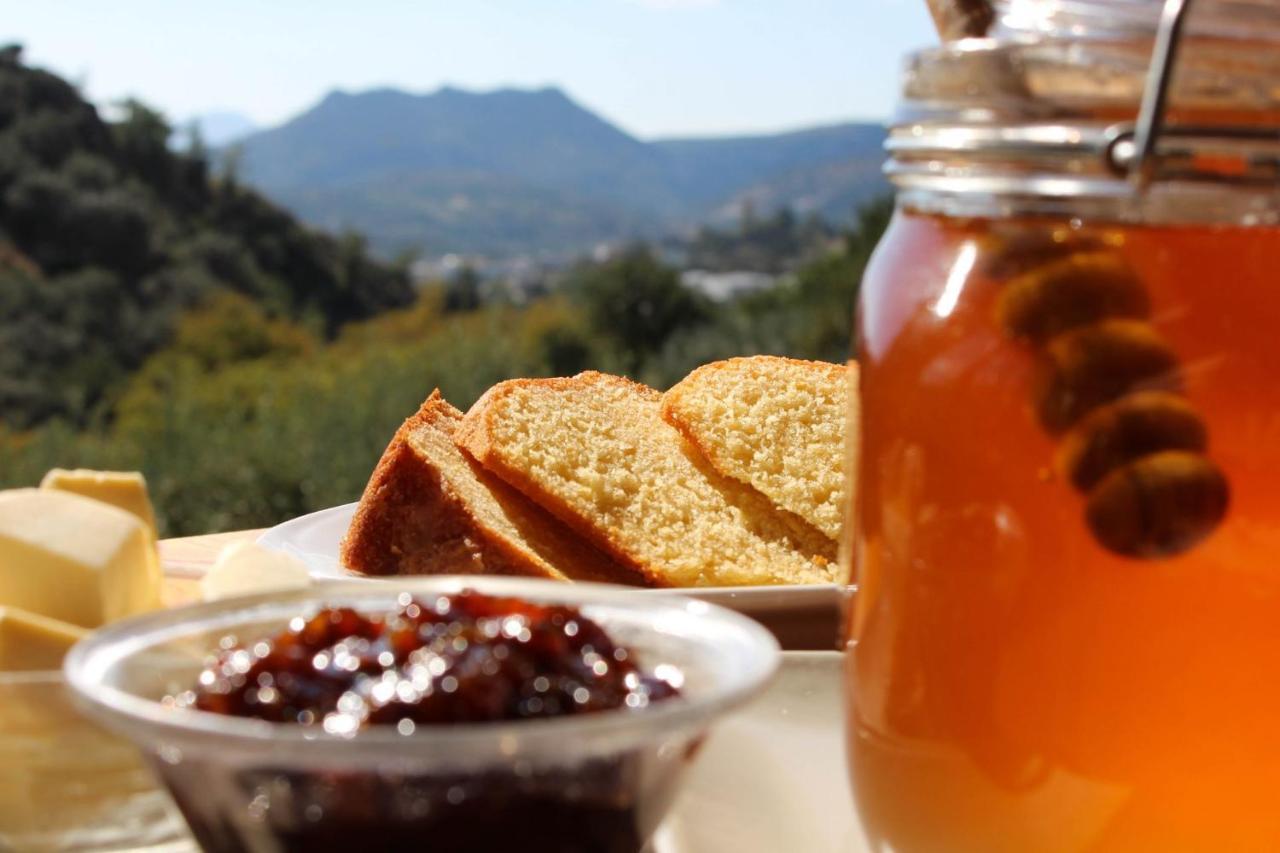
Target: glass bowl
pixel 593 782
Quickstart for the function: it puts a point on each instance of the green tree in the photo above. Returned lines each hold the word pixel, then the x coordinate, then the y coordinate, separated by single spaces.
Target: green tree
pixel 637 303
pixel 92 206
pixel 807 315
pixel 462 291
pixel 142 141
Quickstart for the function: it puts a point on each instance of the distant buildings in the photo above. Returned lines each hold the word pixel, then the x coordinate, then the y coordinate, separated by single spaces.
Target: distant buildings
pixel 523 277
pixel 723 286
pixel 516 279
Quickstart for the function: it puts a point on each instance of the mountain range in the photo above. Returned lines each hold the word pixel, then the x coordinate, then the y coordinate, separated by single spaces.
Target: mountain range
pixel 531 171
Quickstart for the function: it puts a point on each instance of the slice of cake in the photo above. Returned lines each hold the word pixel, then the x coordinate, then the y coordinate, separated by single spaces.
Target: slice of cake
pixel 777 424
pixel 429 510
pixel 595 451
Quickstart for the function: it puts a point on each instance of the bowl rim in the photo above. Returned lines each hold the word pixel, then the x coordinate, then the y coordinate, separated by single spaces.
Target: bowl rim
pixel 147 719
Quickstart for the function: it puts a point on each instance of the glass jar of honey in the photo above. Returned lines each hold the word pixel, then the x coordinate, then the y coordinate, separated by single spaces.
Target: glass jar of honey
pixel 1066 532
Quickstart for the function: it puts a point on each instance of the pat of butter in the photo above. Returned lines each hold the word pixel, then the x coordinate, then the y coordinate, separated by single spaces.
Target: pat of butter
pixel 244 568
pixel 31 641
pixel 124 489
pixel 73 558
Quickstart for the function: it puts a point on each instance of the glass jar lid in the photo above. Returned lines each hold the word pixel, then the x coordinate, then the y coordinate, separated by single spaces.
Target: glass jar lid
pixel 1165 112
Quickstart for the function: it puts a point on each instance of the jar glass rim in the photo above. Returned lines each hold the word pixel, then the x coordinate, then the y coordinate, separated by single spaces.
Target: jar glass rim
pixel 1093 19
pixel 1037 111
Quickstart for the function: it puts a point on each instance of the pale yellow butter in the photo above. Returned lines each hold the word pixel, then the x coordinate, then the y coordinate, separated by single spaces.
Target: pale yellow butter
pixel 245 568
pixel 31 641
pixel 73 558
pixel 124 489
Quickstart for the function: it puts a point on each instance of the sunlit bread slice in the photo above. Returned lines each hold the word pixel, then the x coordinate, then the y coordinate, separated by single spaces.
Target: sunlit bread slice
pixel 777 424
pixel 428 509
pixel 595 451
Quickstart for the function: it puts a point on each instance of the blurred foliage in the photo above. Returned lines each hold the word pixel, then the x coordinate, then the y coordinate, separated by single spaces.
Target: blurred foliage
pixel 153 318
pixel 462 291
pixel 272 424
pixel 246 418
pixel 636 303
pixel 767 244
pixel 807 315
pixel 107 236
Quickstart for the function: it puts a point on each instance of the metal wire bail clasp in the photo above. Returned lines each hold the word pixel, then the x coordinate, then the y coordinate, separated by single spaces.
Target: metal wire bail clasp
pixel 1133 149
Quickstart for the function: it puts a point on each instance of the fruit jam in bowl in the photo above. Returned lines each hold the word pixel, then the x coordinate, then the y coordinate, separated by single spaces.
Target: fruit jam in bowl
pixel 443 713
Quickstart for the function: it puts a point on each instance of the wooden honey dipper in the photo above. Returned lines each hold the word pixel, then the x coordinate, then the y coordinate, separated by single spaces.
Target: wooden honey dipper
pixel 1111 387
pixel 957 19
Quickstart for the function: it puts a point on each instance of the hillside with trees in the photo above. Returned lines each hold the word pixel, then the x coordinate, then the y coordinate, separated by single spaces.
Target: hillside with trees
pixel 107 236
pixel 158 317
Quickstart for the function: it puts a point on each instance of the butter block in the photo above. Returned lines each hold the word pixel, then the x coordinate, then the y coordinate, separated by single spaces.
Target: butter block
pixel 73 558
pixel 245 568
pixel 31 641
pixel 124 489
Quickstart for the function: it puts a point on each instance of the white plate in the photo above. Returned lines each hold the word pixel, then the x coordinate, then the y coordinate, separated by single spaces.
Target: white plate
pixel 313 539
pixel 772 776
pixel 803 617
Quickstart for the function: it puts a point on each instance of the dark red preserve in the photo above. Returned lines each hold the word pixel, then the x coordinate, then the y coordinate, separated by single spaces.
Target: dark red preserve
pixel 464 658
pixel 461 658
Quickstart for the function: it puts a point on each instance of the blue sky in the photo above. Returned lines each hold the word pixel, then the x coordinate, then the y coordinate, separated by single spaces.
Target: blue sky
pixel 654 67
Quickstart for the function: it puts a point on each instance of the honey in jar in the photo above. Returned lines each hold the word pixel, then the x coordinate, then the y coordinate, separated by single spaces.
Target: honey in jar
pixel 1066 631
